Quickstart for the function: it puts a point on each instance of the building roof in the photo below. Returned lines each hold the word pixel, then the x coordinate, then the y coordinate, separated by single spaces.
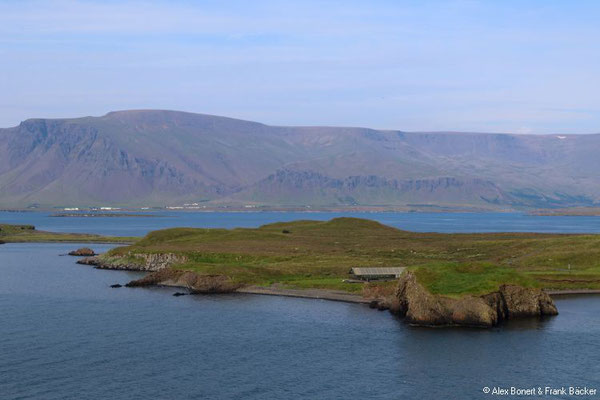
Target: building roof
pixel 378 271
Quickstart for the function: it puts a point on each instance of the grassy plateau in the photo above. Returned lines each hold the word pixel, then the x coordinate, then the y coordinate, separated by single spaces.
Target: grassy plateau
pixel 316 254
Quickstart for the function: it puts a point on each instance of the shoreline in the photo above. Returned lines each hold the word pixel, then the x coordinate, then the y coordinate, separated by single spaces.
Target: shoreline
pixel 336 295
pixel 346 297
pixel 319 294
pixel 68 241
pixel 283 209
pixel 570 292
pixel 104 215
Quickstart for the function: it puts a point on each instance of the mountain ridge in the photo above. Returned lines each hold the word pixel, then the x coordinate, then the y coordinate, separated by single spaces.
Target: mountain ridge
pixel 196 114
pixel 163 157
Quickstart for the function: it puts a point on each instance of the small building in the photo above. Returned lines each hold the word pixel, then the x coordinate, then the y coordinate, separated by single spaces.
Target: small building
pixel 376 273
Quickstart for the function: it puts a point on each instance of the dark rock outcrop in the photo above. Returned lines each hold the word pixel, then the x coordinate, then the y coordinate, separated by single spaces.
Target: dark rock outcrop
pixel 523 302
pixel 374 304
pixel 83 252
pixel 419 307
pixel 195 283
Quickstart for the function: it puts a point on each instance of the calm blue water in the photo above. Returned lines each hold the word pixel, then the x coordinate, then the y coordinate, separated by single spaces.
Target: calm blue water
pixel 419 222
pixel 65 334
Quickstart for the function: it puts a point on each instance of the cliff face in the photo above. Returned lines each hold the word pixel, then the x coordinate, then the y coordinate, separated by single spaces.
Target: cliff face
pixel 310 187
pixel 419 307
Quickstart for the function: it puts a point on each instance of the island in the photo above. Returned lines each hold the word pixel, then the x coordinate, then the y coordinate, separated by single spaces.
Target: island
pixel 29 234
pixel 436 279
pixel 449 279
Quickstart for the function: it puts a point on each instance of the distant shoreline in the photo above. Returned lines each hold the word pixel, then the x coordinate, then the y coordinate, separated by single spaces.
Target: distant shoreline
pixel 282 209
pixel 567 212
pixel 570 292
pixel 103 215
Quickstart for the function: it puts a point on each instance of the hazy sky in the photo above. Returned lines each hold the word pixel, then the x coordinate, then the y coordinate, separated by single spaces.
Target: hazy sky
pixel 502 66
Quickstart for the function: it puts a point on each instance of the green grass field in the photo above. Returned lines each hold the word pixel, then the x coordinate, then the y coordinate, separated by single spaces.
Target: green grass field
pixel 28 234
pixel 315 254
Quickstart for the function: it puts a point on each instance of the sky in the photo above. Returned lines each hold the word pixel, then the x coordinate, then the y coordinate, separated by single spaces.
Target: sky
pixel 484 66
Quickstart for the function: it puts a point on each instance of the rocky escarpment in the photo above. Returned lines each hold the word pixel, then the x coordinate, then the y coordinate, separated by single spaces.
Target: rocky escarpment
pixel 420 307
pixel 192 281
pixel 158 264
pixel 135 261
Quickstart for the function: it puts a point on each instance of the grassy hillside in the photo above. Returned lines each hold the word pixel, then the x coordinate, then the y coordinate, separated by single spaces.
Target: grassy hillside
pixel 319 254
pixel 28 233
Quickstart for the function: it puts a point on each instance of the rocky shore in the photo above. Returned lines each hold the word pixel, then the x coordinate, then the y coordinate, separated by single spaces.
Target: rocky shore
pixel 192 281
pixel 411 300
pixel 135 262
pixel 420 307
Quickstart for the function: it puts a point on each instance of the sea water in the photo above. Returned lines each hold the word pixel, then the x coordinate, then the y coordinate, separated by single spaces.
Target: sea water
pixel 66 334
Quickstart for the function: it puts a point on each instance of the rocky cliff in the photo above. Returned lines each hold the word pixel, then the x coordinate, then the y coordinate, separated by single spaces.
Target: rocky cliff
pixel 310 187
pixel 420 307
